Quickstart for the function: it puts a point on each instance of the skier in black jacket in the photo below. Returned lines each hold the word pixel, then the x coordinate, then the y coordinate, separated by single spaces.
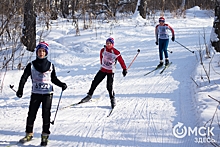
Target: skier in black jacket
pixel 43 74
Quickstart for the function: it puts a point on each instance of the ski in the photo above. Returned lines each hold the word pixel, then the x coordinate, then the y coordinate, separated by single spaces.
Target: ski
pixel 23 143
pixel 70 106
pixel 10 143
pixel 152 70
pixel 74 104
pixel 165 67
pixel 16 143
pixel 79 103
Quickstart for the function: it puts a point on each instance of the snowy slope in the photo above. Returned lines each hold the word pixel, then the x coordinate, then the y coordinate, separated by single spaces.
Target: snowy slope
pixel 148 107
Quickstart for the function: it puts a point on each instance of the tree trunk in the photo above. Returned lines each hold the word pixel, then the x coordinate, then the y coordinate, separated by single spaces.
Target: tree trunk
pixel 53 11
pixel 73 9
pixel 64 8
pixel 182 7
pixel 216 27
pixel 29 30
pixel 142 8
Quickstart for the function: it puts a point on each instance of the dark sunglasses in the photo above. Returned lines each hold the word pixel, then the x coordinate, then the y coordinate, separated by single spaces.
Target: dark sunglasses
pixel 161 21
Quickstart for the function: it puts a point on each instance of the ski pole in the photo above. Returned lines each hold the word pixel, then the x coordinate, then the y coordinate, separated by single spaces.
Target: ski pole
pixel 184 46
pixel 134 59
pixel 57 108
pixel 11 86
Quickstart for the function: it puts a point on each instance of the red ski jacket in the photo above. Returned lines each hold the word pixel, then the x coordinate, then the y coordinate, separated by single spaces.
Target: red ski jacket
pixel 117 57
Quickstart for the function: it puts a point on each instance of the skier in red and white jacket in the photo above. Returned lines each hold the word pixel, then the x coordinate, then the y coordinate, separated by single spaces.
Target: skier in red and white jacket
pixel 108 58
pixel 161 32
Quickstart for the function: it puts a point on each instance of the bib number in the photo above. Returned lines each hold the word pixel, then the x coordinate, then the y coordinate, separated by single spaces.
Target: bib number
pixel 42 86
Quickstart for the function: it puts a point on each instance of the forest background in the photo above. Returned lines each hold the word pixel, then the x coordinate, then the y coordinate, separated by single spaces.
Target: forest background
pixel 18 20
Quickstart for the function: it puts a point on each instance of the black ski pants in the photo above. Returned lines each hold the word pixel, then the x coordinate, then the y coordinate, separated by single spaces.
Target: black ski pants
pixel 98 78
pixel 36 100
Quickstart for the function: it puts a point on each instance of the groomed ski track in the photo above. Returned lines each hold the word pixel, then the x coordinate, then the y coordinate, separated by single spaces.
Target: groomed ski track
pixel 147 106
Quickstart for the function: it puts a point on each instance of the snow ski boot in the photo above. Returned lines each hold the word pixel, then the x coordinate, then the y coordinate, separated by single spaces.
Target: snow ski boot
pixel 86 99
pixel 166 62
pixel 28 137
pixel 160 65
pixel 44 139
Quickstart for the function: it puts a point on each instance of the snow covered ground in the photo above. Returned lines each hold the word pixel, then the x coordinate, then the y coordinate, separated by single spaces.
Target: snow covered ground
pixel 158 110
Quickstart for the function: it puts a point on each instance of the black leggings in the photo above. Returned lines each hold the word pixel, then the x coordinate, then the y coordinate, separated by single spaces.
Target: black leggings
pixel 98 78
pixel 36 100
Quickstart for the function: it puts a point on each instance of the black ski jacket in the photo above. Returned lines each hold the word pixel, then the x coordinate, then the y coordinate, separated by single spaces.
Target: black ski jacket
pixel 41 65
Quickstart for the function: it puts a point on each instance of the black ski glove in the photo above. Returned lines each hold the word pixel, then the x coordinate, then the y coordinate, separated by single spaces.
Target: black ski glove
pixel 19 93
pixel 156 43
pixel 64 86
pixel 173 38
pixel 124 72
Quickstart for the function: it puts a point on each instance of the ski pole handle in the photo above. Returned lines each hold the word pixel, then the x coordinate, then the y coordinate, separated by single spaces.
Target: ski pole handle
pixel 170 51
pixel 134 59
pixel 11 86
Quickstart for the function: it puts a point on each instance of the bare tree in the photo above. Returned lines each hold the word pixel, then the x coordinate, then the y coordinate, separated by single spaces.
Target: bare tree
pixel 74 8
pixel 216 27
pixel 142 8
pixel 29 29
pixel 64 6
pixel 182 7
pixel 53 10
